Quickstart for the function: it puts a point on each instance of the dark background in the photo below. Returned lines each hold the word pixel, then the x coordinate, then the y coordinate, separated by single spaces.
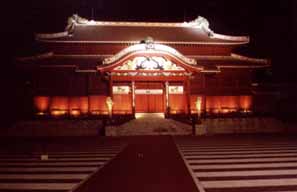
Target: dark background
pixel 270 24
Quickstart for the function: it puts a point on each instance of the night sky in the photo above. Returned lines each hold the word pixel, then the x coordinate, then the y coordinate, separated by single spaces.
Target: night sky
pixel 270 24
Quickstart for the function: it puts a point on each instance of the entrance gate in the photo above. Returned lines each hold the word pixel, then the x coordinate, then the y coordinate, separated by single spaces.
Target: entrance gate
pixel 149 97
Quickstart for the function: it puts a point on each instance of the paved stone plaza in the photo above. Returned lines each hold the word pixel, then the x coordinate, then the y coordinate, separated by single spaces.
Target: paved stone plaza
pixel 266 162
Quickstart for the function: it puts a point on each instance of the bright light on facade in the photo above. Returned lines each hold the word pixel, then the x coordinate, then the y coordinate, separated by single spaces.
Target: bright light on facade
pixel 144 115
pixel 198 106
pixel 40 113
pixel 75 112
pixel 57 112
pixel 109 104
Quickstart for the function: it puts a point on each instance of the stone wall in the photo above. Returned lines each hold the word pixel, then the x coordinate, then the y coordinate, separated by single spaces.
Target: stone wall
pixel 240 125
pixel 54 128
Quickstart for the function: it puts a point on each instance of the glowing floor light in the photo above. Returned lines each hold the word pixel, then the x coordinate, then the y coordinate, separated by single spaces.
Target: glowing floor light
pixel 149 115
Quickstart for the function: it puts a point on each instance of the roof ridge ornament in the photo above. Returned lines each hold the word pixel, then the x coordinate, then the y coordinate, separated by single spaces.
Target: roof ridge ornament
pixel 149 43
pixel 74 19
pixel 202 23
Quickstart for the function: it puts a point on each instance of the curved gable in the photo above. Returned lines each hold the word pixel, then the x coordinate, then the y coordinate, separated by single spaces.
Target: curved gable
pixel 150 51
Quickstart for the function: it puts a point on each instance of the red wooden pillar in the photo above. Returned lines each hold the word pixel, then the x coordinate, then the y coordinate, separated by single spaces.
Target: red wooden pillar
pixel 204 92
pixel 167 108
pixel 133 97
pixel 188 88
pixel 111 92
pixel 88 92
pixel 238 103
pixel 110 86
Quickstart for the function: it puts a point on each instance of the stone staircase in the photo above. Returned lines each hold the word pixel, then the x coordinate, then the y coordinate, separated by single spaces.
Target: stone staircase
pixel 149 124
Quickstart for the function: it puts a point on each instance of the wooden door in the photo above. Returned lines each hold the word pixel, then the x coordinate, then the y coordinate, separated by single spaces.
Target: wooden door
pixel 149 97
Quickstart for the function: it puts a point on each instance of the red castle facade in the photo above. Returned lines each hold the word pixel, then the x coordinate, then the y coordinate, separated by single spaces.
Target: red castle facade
pixel 143 67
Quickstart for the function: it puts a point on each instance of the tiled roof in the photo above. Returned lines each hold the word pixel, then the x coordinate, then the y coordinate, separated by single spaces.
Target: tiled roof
pixel 195 32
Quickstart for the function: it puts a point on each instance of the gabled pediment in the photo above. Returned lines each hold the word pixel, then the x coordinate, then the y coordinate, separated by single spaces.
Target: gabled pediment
pixel 149 48
pixel 147 57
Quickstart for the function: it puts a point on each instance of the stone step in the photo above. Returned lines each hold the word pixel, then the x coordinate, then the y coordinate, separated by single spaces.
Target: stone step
pixel 150 124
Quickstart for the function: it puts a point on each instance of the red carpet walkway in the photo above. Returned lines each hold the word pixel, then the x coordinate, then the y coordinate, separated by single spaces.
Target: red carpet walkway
pixel 148 164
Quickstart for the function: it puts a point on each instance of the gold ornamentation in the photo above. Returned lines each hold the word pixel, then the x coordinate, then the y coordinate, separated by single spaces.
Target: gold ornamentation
pixel 149 63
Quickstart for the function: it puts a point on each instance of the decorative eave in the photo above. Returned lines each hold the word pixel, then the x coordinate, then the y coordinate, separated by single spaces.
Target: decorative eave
pixel 212 70
pixel 232 60
pixel 242 39
pixel 49 36
pixel 104 63
pixel 232 56
pixel 265 62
